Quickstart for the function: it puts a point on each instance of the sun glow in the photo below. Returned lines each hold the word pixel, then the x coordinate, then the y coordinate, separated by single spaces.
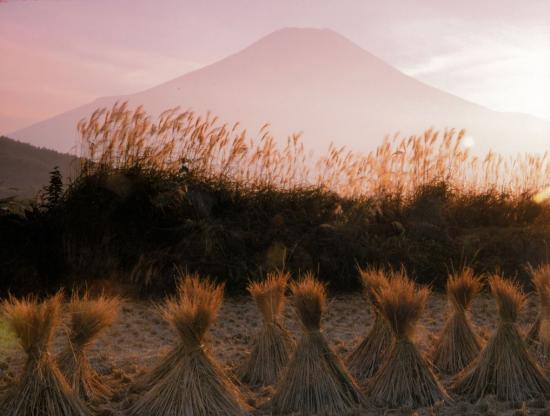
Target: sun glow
pixel 542 196
pixel 468 142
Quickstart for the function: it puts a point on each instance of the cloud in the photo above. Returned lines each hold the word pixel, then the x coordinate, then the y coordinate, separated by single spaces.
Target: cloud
pixel 506 70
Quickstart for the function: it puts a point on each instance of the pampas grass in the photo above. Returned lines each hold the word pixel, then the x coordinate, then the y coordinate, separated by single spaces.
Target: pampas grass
pixel 315 380
pixel 367 357
pixel 457 344
pixel 88 318
pixel 504 367
pixel 124 138
pixel 41 389
pixel 405 378
pixel 273 344
pixel 540 277
pixel 196 384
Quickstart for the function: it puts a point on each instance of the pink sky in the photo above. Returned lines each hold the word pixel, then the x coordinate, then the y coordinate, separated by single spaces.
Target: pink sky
pixel 57 55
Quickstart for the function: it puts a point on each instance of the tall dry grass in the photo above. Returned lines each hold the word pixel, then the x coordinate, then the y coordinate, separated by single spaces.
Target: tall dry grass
pixel 176 141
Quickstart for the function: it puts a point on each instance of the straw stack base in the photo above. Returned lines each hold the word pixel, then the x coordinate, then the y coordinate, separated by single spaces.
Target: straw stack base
pixel 541 347
pixel 42 390
pixel 505 369
pixel 365 360
pixel 151 379
pixel 83 378
pixel 269 356
pixel 195 386
pixel 457 346
pixel 315 382
pixel 405 379
pixel 532 336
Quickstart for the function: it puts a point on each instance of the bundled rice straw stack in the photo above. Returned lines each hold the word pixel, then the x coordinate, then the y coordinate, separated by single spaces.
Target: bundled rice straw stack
pixel 273 344
pixel 315 380
pixel 504 367
pixel 365 360
pixel 458 345
pixel 169 361
pixel 196 384
pixel 405 378
pixel 535 337
pixel 150 379
pixel 88 318
pixel 41 389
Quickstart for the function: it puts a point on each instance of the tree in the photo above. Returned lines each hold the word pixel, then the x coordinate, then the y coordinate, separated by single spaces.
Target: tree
pixel 54 190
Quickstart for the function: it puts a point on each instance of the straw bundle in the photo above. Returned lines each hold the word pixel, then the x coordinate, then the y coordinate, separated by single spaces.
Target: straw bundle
pixel 273 344
pixel 88 318
pixel 41 389
pixel 186 284
pixel 315 380
pixel 504 367
pixel 196 384
pixel 540 277
pixel 365 360
pixel 405 378
pixel 458 345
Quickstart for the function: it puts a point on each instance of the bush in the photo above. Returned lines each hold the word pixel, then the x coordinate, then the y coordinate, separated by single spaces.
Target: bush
pixel 187 193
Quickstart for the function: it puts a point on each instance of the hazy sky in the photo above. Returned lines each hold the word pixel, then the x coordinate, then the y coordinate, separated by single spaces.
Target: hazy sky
pixel 56 55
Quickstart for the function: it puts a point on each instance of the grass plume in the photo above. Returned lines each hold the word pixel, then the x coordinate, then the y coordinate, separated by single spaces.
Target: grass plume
pixel 122 137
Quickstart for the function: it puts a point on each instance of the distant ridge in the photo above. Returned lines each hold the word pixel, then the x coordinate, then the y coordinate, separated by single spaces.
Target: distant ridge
pixel 24 169
pixel 320 83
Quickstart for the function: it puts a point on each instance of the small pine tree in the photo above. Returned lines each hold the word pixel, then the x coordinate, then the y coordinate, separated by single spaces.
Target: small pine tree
pixel 54 190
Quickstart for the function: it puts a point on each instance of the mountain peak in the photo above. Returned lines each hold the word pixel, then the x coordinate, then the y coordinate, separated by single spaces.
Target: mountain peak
pixel 318 82
pixel 314 38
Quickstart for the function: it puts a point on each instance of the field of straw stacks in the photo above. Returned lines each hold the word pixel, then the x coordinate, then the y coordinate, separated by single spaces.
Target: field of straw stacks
pixel 286 348
pixel 397 282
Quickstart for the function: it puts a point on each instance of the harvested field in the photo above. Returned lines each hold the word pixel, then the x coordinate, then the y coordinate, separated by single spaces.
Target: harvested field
pixel 140 338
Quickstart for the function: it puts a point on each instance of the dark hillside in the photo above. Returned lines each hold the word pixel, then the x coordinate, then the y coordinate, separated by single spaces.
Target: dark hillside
pixel 24 169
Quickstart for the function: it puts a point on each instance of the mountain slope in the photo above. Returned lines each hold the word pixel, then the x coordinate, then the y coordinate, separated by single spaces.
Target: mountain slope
pixel 24 169
pixel 318 82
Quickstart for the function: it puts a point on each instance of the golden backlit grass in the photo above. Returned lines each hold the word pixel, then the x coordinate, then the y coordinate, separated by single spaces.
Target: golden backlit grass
pixel 177 141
